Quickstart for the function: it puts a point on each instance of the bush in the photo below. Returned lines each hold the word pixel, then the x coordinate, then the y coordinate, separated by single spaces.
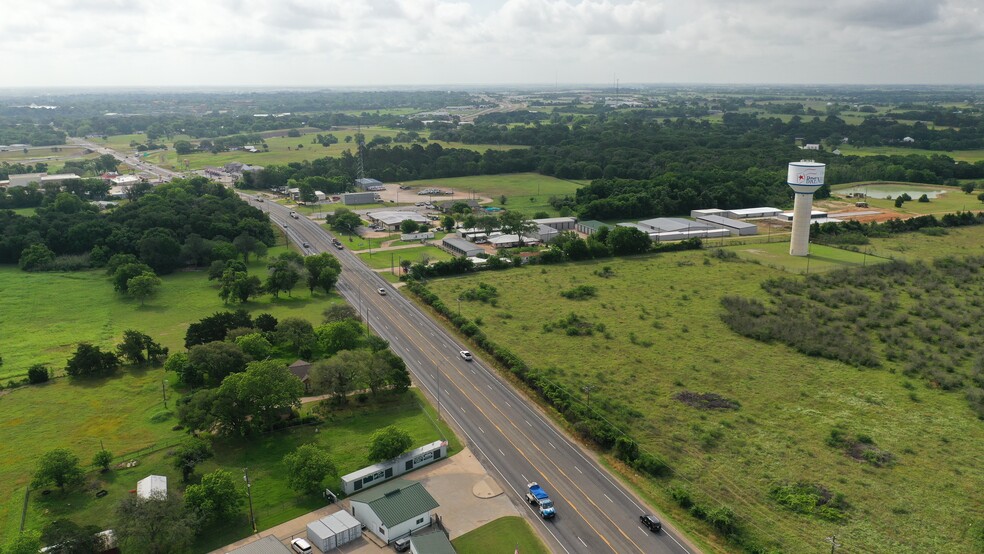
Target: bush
pixel 580 292
pixel 38 373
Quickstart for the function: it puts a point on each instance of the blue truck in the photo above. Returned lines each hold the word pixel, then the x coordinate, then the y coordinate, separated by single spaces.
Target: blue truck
pixel 539 498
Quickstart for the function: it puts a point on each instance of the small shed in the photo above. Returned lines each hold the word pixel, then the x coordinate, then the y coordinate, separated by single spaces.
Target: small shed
pixel 152 485
pixel 431 543
pixel 394 509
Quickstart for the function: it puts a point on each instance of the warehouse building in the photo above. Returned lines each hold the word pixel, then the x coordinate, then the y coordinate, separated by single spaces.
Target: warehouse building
pixel 589 227
pixel 461 247
pixel 696 214
pixel 394 509
pixel 748 213
pixel 673 224
pixel 369 184
pixel 558 223
pixel 391 220
pixel 350 198
pixel 736 227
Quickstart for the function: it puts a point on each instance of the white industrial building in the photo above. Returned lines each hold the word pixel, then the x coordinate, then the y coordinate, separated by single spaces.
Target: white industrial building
pixel 124 180
pixel 333 531
pixel 511 241
pixel 24 179
pixel 558 223
pixel 391 219
pixel 748 213
pixel 697 214
pixel 369 184
pixel 394 509
pixel 461 247
pixel 814 214
pixel 672 224
pixel 736 227
pixel 152 485
pixel 547 233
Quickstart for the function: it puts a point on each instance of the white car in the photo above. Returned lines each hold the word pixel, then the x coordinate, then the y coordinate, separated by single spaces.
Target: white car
pixel 382 292
pixel 301 546
pixel 465 355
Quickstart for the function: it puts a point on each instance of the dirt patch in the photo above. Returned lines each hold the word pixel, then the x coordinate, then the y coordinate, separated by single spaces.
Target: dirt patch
pixel 870 453
pixel 706 400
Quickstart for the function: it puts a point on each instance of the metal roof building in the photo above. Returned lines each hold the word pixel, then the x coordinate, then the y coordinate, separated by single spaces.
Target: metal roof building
pixel 673 224
pixel 559 223
pixel 461 247
pixel 267 545
pixel 737 228
pixel 745 213
pixel 392 219
pixel 151 485
pixel 431 543
pixel 369 184
pixel 393 509
pixel 590 226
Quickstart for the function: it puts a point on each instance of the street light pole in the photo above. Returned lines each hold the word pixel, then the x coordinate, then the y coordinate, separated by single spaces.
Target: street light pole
pixel 249 495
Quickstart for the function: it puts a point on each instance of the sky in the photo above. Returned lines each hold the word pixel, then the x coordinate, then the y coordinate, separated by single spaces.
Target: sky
pixel 376 43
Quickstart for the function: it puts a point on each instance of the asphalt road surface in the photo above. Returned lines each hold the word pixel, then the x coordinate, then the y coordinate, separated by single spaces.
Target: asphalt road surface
pixel 595 513
pixel 132 161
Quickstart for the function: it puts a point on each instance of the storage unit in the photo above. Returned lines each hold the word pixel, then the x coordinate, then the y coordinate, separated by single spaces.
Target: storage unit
pixel 589 227
pixel 737 228
pixel 321 536
pixel 351 528
pixel 746 213
pixel 559 223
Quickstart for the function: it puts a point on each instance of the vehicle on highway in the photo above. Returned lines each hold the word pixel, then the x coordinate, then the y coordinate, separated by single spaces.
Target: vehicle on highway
pixel 301 546
pixel 465 355
pixel 651 522
pixel 539 498
pixel 285 225
pixel 382 292
pixel 258 199
pixel 293 215
pixel 306 245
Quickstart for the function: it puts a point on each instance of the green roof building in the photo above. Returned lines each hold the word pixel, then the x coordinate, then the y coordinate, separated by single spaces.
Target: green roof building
pixel 394 509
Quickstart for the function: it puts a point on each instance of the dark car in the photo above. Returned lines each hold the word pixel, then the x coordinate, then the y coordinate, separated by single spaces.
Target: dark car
pixel 306 245
pixel 402 545
pixel 651 522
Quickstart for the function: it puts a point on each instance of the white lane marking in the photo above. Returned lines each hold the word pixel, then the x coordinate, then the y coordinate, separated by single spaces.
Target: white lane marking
pixel 579 470
pixel 609 498
pixel 582 542
pixel 489 386
pixel 501 452
pixel 551 445
pixel 482 430
pixel 446 392
pixel 528 422
pixel 643 531
pixel 524 478
pixel 508 404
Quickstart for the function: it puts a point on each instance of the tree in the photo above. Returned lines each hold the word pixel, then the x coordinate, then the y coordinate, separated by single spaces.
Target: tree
pixel 25 542
pixel 196 250
pixel 339 312
pixel 217 498
pixel 214 327
pixel 195 410
pixel 211 362
pixel 283 277
pixel 265 322
pixel 59 467
pixel 345 221
pixel 36 257
pixel 247 244
pixel 307 468
pixel 138 348
pixel 337 376
pixel 408 226
pixel 306 192
pixel 322 270
pixel 981 197
pixel 296 334
pixel 448 223
pixel 155 525
pixel 183 147
pixel 125 272
pixel 160 250
pixel 405 265
pixel 388 443
pixel 72 538
pixel 254 345
pixel 257 398
pixel 397 376
pixel 341 335
pixel 238 286
pixel 38 373
pixel 191 453
pixel 143 286
pixel 102 459
pixel 968 187
pixel 90 361
pixel 517 223
pixel 628 240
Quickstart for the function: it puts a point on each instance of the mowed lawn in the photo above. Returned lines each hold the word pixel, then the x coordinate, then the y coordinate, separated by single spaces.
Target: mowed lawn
pixel 947 199
pixel 664 335
pixel 960 241
pixel 821 258
pixel 382 259
pixel 44 315
pixel 957 155
pixel 525 192
pixel 505 535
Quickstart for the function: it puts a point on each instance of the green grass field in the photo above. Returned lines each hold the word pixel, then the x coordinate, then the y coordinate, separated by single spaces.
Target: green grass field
pixel 665 336
pixel 951 200
pixel 505 535
pixel 961 241
pixel 525 192
pixel 26 212
pixel 958 155
pixel 44 315
pixel 381 259
pixel 821 258
pixel 277 153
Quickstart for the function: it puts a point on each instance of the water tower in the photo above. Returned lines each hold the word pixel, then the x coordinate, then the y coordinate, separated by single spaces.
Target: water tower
pixel 804 178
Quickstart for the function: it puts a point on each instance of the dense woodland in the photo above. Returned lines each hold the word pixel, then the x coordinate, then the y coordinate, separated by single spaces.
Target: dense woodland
pixel 185 222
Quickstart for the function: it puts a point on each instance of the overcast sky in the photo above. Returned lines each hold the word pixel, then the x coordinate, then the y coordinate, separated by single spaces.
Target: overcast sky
pixel 284 43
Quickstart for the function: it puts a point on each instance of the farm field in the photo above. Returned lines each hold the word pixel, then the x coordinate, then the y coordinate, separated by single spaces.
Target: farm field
pixel 40 329
pixel 942 199
pixel 663 335
pixel 957 155
pixel 278 149
pixel 960 241
pixel 525 192
pixel 500 535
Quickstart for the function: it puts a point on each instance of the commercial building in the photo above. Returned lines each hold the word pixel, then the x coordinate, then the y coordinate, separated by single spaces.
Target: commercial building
pixel 24 179
pixel 124 180
pixel 748 213
pixel 673 224
pixel 558 223
pixel 350 198
pixel 447 205
pixel 736 227
pixel 369 184
pixel 394 509
pixel 378 473
pixel 460 247
pixel 511 241
pixel 546 233
pixel 391 220
pixel 696 214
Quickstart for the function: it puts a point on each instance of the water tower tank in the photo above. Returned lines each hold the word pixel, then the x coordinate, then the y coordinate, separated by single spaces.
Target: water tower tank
pixel 804 178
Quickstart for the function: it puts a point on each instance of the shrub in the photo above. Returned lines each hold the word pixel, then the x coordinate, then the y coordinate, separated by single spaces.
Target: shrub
pixel 580 292
pixel 38 373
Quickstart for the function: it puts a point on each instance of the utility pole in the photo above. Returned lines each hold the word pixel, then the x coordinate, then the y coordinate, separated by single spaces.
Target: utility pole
pixel 164 392
pixel 249 495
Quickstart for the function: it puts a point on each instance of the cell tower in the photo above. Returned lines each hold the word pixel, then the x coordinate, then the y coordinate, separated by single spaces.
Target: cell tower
pixel 360 145
pixel 804 178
